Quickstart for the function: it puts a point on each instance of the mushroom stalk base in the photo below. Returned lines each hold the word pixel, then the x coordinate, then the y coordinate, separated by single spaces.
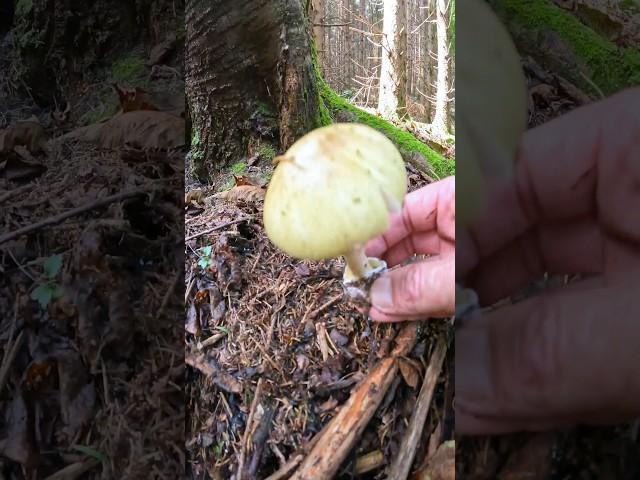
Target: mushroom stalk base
pixel 359 266
pixel 359 275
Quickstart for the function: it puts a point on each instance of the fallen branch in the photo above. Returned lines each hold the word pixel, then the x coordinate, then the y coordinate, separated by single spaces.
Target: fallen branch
pixel 217 227
pixel 102 202
pixel 399 469
pixel 346 427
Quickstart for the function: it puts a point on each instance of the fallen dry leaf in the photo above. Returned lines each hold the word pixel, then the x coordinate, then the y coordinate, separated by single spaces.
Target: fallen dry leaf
pixel 194 196
pixel 442 466
pixel 192 324
pixel 77 392
pixel 409 372
pixel 16 168
pixel 243 193
pixel 144 129
pixel 243 180
pixel 28 133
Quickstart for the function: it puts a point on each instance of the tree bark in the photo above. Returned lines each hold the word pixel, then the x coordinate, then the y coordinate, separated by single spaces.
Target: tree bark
pixel 317 18
pixel 250 77
pixel 440 119
pixel 393 73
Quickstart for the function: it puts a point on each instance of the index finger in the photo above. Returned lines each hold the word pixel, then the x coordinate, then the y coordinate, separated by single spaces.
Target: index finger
pixel 428 209
pixel 585 164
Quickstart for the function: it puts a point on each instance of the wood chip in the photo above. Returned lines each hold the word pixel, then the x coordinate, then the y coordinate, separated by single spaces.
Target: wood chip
pixel 369 462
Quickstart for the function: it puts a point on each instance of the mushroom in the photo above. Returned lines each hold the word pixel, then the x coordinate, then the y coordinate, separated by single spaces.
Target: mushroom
pixel 331 192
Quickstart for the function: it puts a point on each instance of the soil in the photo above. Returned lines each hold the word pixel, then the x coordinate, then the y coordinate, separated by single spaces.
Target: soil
pixel 91 355
pixel 256 315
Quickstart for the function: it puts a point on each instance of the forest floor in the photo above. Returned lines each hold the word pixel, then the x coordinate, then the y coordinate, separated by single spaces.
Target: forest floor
pixel 276 349
pixel 90 368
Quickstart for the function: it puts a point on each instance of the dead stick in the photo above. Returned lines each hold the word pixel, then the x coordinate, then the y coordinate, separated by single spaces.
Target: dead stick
pixel 71 213
pixel 346 427
pixel 245 437
pixel 15 192
pixel 217 227
pixel 399 469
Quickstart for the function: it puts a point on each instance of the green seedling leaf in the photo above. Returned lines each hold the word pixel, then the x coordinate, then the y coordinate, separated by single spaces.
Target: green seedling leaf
pixel 224 330
pixel 56 291
pixel 206 251
pixel 43 295
pixel 204 262
pixel 52 266
pixel 90 452
pixel 218 449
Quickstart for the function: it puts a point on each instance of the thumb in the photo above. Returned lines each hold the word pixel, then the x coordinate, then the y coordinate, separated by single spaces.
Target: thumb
pixel 414 292
pixel 554 360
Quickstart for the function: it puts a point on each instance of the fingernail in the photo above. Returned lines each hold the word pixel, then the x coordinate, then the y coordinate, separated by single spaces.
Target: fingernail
pixel 381 294
pixel 473 372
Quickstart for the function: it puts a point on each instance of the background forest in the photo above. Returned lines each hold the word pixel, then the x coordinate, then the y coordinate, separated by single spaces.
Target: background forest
pixel 352 37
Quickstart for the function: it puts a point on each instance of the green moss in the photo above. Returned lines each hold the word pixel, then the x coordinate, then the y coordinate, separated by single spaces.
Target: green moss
pixel 128 69
pixel 197 155
pixel 238 168
pixel 267 151
pixel 23 7
pixel 406 143
pixel 630 6
pixel 195 139
pixel 612 68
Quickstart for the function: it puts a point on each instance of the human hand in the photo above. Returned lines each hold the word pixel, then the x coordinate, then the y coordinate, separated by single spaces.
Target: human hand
pixel 425 226
pixel 571 355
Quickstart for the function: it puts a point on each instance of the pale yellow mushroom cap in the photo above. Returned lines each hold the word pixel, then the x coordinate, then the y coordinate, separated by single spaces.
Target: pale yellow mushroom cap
pixel 333 189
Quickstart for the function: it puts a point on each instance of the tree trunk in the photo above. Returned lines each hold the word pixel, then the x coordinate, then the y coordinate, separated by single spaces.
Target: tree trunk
pixel 317 18
pixel 393 74
pixel 250 78
pixel 440 120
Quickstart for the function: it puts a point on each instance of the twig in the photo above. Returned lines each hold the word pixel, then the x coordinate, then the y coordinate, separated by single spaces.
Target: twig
pixel 71 213
pixel 22 268
pixel 217 227
pixel 10 350
pixel 399 469
pixel 245 437
pixel 167 295
pixel 16 191
pixel 332 24
pixel 75 470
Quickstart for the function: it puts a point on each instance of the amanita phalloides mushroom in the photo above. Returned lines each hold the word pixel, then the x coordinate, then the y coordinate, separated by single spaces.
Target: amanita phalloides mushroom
pixel 331 192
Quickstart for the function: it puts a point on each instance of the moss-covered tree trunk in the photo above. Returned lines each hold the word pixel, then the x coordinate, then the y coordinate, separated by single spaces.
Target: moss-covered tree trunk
pixel 250 77
pixel 563 43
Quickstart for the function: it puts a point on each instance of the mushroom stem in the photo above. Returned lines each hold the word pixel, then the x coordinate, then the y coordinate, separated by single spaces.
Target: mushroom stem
pixel 357 262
